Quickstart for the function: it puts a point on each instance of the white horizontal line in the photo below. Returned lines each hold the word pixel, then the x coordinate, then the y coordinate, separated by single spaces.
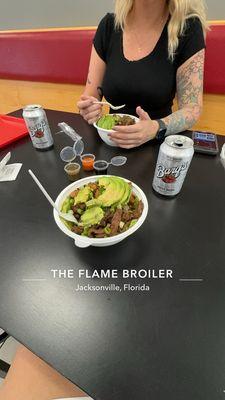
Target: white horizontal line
pixel 33 280
pixel 190 280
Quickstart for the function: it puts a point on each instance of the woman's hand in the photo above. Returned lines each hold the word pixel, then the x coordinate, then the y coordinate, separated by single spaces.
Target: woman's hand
pixel 137 134
pixel 89 111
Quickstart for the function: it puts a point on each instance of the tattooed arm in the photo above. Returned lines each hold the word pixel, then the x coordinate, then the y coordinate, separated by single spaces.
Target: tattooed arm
pixel 189 95
pixel 93 91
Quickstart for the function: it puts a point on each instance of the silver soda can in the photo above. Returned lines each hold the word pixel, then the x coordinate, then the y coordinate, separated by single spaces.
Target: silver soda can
pixel 38 127
pixel 175 155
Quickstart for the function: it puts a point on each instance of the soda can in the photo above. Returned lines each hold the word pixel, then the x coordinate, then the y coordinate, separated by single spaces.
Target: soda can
pixel 175 155
pixel 38 127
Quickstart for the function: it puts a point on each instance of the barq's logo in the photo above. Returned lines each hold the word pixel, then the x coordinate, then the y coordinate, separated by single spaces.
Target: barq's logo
pixel 40 127
pixel 175 171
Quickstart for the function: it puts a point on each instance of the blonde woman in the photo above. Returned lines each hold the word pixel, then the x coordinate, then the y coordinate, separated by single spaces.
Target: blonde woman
pixel 142 56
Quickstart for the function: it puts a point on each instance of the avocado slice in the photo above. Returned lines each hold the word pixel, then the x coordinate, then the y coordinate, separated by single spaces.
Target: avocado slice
pixel 92 216
pixel 126 197
pixel 104 181
pixel 115 188
pixel 126 190
pixel 82 195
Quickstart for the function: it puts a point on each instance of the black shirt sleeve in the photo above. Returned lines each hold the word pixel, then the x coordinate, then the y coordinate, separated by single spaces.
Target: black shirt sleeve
pixel 191 41
pixel 103 34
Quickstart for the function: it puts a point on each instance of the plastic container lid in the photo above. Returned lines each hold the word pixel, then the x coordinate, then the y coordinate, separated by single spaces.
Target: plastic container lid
pixel 67 154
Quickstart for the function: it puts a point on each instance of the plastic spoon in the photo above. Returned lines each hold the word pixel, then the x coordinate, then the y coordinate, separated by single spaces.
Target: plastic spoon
pixel 66 216
pixel 109 104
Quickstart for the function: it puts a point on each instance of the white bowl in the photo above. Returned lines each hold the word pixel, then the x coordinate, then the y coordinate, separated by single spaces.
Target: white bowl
pixel 104 133
pixel 82 241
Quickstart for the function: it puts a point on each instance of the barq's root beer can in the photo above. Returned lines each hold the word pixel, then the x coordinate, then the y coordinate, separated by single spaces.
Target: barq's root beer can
pixel 174 159
pixel 38 127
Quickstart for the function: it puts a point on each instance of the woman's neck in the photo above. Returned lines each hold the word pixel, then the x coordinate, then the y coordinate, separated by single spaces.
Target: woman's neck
pixel 148 12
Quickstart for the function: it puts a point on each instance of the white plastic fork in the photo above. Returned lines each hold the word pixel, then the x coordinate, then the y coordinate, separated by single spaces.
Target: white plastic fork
pixel 109 104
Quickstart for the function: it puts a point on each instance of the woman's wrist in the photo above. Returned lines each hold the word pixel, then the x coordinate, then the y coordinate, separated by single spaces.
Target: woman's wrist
pixel 154 128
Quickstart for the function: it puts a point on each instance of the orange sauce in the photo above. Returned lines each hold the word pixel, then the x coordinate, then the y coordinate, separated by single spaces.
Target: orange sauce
pixel 88 163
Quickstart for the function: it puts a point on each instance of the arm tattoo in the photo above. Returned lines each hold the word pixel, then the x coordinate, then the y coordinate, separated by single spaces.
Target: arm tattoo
pixel 189 95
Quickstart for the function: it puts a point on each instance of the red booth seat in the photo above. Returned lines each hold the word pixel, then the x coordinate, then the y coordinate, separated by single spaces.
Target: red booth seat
pixel 215 60
pixel 50 56
pixel 63 56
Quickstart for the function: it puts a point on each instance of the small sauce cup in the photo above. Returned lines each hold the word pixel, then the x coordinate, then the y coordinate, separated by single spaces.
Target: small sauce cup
pixel 101 167
pixel 88 162
pixel 72 170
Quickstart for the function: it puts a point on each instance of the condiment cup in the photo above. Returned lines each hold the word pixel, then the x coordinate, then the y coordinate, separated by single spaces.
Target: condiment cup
pixel 101 167
pixel 72 170
pixel 88 161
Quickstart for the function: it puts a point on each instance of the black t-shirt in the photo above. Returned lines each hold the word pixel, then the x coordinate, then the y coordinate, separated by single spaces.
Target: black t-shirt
pixel 151 81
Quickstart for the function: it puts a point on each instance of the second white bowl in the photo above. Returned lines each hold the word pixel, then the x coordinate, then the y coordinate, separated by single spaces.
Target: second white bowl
pixel 104 133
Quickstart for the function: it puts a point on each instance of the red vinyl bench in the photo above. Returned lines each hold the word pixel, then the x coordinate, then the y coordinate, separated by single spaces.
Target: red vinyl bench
pixel 62 56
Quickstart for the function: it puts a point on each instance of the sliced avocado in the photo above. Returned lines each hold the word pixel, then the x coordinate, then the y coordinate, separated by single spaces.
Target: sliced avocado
pixel 82 195
pixel 108 121
pixel 105 181
pixel 66 205
pixel 92 216
pixel 115 190
pixel 111 195
pixel 124 190
pixel 126 197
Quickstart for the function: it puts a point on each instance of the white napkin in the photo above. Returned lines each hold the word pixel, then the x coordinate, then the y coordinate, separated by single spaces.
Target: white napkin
pixel 8 172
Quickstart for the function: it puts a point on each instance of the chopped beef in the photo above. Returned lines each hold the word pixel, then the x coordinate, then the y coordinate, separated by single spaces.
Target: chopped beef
pixel 115 221
pixel 78 229
pixel 127 216
pixel 107 217
pixel 103 223
pixel 79 206
pixel 137 213
pixel 96 232
pixel 125 120
pixel 82 206
pixel 96 193
pixel 74 193
pixel 132 199
pixel 93 186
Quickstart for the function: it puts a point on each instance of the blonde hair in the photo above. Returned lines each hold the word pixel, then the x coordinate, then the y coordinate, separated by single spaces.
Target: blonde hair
pixel 180 11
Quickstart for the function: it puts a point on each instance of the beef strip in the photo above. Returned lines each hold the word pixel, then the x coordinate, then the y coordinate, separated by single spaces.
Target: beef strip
pixel 115 221
pixel 96 193
pixel 132 199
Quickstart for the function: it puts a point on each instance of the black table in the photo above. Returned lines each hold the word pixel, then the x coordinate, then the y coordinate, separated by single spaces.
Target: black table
pixel 166 343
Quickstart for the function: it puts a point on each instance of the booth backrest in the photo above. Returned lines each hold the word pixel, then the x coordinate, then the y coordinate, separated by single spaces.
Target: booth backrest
pixel 215 60
pixel 63 56
pixel 50 56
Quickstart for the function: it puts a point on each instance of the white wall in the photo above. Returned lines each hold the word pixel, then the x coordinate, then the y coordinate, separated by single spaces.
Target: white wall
pixel 22 14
